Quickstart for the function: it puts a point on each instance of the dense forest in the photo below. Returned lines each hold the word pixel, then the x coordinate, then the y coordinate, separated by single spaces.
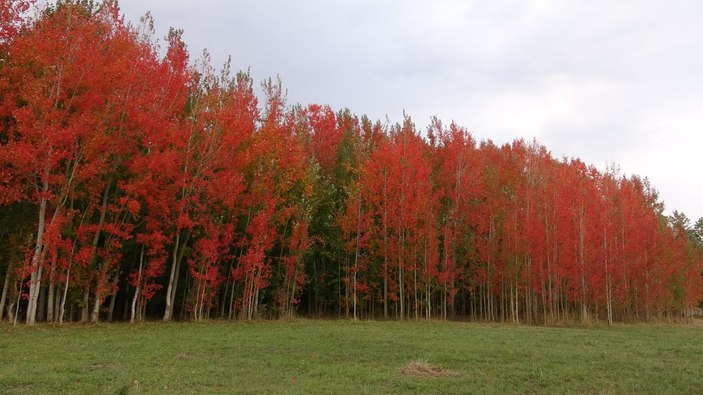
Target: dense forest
pixel 136 184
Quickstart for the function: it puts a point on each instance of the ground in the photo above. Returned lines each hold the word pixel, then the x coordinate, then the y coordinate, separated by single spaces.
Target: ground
pixel 316 356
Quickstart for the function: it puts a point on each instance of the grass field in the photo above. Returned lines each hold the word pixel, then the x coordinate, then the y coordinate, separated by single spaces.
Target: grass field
pixel 314 356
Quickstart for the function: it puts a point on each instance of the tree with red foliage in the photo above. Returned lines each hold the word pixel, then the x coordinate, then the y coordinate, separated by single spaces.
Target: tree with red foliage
pixel 60 122
pixel 127 163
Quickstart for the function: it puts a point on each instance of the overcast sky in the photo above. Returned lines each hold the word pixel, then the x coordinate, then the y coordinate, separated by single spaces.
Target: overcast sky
pixel 607 81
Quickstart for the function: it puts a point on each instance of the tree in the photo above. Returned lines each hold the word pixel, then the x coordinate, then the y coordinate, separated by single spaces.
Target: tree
pixel 56 100
pixel 133 181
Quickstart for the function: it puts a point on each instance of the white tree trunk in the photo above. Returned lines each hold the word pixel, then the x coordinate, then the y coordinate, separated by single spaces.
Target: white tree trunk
pixel 171 290
pixel 62 311
pixel 139 287
pixel 35 277
pixel 95 315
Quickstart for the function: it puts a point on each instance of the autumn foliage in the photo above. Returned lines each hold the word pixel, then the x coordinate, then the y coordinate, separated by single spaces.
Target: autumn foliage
pixel 136 183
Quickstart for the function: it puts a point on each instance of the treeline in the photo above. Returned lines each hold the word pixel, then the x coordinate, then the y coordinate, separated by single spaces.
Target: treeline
pixel 134 185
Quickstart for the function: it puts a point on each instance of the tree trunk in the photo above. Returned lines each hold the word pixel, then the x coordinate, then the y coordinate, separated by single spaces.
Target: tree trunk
pixel 35 277
pixel 582 263
pixel 85 311
pixel 17 301
pixel 385 245
pixel 608 290
pixel 356 252
pixel 3 298
pixel 36 273
pixel 171 281
pixel 178 252
pixel 65 293
pixel 415 301
pixel 428 305
pixel 293 291
pixel 52 291
pixel 401 291
pixel 11 313
pixel 41 304
pixel 95 317
pixel 113 296
pixel 139 286
pixel 223 298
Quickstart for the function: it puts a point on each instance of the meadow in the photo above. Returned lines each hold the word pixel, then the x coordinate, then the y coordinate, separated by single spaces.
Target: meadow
pixel 324 356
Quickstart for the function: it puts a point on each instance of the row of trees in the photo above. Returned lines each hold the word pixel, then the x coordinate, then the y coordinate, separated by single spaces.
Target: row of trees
pixel 135 185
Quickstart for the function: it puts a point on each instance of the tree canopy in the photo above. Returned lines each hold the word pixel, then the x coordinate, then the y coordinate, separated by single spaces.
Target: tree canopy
pixel 134 183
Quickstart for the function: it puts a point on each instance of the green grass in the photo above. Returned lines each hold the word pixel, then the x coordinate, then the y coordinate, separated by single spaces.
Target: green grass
pixel 313 356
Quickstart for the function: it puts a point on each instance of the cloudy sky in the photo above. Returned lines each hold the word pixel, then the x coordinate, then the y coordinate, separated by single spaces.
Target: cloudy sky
pixel 607 81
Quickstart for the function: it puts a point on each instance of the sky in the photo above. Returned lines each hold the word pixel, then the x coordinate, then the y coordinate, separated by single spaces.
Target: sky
pixel 610 82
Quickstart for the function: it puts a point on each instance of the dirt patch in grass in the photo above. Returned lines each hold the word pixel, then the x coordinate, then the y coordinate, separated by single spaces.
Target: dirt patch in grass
pixel 16 388
pixel 422 368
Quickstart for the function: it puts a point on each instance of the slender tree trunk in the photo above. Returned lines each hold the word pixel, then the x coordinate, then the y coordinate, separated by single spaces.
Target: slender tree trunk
pixel 550 290
pixel 444 300
pixel 428 308
pixel 356 252
pixel 85 311
pixel 52 291
pixel 41 304
pixel 231 297
pixel 528 293
pixel 223 298
pixel 517 304
pixel 417 305
pixel 65 291
pixel 502 299
pixel 241 253
pixel 196 307
pixel 170 291
pixel 139 286
pixel 256 293
pixel 95 316
pixel 608 291
pixel 492 285
pixel 95 313
pixel 3 298
pixel 553 278
pixel 12 312
pixel 544 293
pixel 346 288
pixel 62 309
pixel 286 274
pixel 582 263
pixel 141 308
pixel 513 306
pixel 113 296
pixel 35 276
pixel 178 252
pixel 17 302
pixel 232 312
pixel 62 305
pixel 293 291
pixel 385 244
pixel 401 290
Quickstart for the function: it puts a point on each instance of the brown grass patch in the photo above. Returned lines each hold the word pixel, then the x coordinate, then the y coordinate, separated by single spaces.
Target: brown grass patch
pixel 422 368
